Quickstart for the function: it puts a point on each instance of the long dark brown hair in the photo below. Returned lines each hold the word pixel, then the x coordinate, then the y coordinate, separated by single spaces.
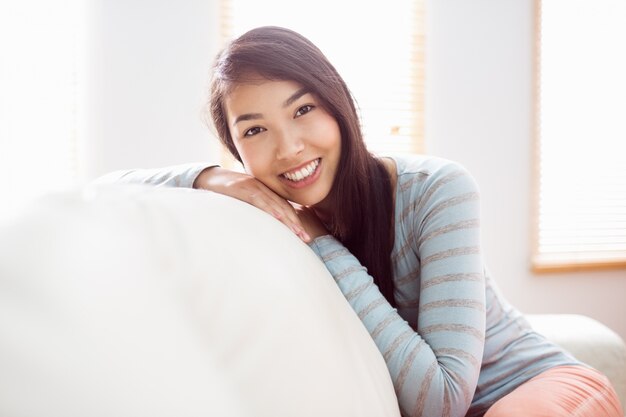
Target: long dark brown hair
pixel 361 197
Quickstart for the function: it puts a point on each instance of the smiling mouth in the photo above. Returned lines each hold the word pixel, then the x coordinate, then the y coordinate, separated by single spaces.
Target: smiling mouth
pixel 302 173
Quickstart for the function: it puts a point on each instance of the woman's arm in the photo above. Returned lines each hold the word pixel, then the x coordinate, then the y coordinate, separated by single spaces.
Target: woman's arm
pixel 184 175
pixel 217 179
pixel 435 369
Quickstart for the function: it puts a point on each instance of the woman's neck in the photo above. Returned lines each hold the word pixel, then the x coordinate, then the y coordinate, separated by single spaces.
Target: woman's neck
pixel 323 211
pixel 390 164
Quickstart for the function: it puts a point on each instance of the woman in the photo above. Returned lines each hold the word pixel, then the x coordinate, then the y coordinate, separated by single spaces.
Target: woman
pixel 399 235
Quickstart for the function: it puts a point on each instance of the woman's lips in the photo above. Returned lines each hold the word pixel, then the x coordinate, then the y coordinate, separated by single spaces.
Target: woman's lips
pixel 294 182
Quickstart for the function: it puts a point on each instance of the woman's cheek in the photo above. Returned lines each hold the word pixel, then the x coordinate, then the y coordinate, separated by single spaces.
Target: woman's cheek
pixel 257 166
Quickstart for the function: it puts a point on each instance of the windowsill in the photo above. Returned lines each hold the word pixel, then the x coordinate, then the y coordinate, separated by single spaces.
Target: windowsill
pixel 546 267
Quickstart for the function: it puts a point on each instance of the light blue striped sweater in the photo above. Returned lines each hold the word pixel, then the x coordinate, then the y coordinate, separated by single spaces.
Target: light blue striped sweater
pixel 454 345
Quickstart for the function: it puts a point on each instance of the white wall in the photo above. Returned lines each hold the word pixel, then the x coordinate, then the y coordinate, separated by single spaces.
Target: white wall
pixel 479 109
pixel 147 65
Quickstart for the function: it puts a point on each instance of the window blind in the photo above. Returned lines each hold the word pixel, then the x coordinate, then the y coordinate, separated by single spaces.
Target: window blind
pixel 377 47
pixel 581 135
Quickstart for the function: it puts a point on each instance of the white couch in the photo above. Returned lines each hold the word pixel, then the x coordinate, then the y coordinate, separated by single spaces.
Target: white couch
pixel 130 300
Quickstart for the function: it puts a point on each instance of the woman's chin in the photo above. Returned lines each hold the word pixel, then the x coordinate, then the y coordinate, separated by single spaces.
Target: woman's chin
pixel 302 202
pixel 307 199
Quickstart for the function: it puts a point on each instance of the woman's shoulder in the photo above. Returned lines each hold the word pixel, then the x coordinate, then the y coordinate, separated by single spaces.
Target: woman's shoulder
pixel 418 170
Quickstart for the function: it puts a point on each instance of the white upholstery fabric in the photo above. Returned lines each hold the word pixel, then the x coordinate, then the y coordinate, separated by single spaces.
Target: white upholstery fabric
pixel 130 301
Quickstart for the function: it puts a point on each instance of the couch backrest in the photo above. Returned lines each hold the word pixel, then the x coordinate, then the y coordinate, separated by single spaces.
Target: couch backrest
pixel 128 300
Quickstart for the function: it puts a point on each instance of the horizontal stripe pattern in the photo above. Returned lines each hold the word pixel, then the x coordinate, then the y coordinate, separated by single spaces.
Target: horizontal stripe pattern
pixel 407 365
pixel 453 303
pixel 465 224
pixel 382 325
pixel 453 328
pixel 450 253
pixel 371 306
pixel 399 340
pixel 424 388
pixel 348 271
pixel 410 241
pixel 451 278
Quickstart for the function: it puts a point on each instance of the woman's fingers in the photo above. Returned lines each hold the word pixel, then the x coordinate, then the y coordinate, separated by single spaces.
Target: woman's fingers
pixel 280 208
pixel 246 188
pixel 312 225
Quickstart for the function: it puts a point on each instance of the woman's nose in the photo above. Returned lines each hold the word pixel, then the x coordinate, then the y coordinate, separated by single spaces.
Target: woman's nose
pixel 289 144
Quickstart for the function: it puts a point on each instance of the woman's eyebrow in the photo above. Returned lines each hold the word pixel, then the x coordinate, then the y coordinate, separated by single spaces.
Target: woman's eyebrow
pixel 247 116
pixel 253 116
pixel 295 96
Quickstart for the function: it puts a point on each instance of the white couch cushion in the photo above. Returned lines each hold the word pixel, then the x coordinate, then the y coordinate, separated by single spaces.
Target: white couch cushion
pixel 129 300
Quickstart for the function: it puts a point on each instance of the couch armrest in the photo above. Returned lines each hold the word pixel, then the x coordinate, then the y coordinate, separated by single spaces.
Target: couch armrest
pixel 589 341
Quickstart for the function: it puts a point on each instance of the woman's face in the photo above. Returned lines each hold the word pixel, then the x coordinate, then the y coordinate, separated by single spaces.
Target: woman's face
pixel 285 138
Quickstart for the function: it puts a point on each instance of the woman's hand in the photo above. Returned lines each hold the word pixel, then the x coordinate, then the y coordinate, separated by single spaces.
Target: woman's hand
pixel 313 226
pixel 246 188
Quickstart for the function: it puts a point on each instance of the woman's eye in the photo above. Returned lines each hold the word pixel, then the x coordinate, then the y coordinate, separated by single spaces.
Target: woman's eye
pixel 304 110
pixel 254 131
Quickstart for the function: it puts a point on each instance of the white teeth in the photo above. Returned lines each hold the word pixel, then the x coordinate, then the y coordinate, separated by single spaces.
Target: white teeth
pixel 303 172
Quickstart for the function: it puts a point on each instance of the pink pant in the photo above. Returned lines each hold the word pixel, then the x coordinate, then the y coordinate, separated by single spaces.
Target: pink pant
pixel 564 391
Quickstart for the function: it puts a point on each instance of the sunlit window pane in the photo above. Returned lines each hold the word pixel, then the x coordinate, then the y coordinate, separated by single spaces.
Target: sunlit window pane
pixel 582 201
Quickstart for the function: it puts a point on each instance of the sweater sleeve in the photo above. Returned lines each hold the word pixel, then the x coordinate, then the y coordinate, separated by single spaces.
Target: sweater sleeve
pixel 174 176
pixel 434 367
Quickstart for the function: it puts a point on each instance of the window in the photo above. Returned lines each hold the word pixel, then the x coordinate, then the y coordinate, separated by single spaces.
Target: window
pixel 581 170
pixel 377 47
pixel 38 80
